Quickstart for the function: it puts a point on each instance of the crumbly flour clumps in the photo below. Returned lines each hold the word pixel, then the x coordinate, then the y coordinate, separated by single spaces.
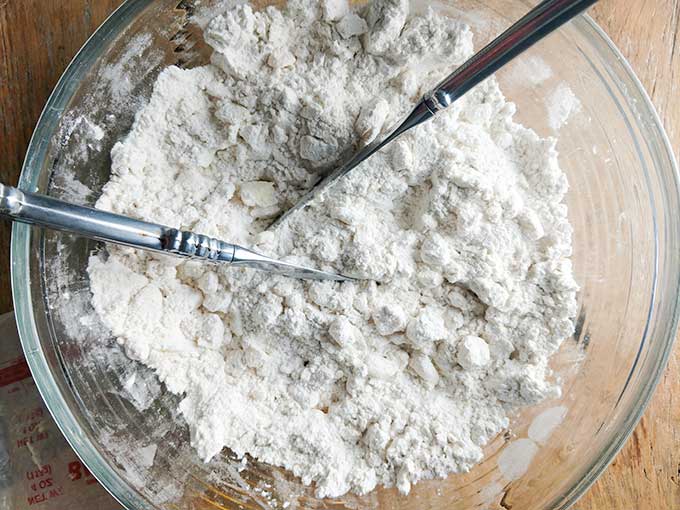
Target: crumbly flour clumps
pixel 457 231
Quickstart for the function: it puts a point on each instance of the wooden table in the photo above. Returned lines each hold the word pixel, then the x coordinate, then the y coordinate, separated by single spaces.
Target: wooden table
pixel 39 37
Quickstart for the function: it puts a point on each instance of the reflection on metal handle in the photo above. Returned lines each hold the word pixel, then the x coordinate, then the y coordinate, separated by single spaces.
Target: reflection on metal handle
pixel 189 244
pixel 532 27
pixel 49 212
pixel 10 200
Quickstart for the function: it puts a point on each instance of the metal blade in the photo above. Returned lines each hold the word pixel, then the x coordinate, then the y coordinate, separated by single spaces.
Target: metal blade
pixel 247 258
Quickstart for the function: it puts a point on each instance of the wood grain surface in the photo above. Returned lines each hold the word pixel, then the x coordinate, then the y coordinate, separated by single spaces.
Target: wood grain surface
pixel 38 38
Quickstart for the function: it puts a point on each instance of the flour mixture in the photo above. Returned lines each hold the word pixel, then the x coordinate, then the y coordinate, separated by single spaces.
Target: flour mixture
pixel 457 232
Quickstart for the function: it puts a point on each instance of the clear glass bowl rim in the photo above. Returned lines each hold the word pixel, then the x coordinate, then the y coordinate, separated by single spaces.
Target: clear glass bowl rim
pixel 20 244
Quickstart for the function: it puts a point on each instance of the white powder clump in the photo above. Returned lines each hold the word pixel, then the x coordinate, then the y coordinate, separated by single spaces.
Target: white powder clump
pixel 457 233
pixel 562 103
pixel 473 352
pixel 528 70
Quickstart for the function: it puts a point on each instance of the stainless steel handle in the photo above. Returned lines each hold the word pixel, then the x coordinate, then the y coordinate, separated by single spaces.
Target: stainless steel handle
pixel 49 212
pixel 532 27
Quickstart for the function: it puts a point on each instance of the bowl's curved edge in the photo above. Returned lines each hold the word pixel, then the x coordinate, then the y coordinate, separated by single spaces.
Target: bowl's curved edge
pixel 19 250
pixel 597 468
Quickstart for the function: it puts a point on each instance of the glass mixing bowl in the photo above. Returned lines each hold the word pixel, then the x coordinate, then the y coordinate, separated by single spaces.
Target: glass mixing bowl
pixel 623 205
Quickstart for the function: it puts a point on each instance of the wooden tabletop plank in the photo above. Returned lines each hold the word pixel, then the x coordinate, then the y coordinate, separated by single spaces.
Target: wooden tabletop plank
pixel 38 38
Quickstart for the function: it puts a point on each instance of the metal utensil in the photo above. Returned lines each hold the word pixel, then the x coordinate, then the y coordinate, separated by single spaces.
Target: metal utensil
pixel 49 212
pixel 531 28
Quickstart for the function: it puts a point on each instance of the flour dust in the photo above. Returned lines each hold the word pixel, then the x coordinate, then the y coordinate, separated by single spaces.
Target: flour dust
pixel 458 234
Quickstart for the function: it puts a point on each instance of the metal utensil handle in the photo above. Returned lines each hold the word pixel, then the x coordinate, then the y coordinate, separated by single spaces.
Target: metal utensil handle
pixel 533 26
pixel 49 212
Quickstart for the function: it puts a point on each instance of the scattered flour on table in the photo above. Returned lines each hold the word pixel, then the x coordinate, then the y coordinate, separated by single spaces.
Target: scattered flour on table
pixel 458 229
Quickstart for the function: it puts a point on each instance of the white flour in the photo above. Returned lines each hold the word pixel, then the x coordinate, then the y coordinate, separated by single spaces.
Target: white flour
pixel 561 104
pixel 459 230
